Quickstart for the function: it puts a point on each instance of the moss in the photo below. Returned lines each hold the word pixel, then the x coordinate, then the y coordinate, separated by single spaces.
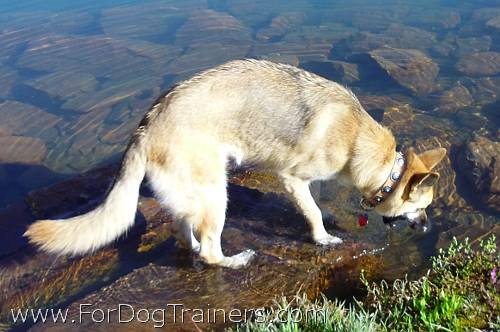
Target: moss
pixel 459 293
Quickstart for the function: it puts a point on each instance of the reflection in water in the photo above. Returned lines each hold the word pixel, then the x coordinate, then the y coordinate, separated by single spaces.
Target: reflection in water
pixel 75 79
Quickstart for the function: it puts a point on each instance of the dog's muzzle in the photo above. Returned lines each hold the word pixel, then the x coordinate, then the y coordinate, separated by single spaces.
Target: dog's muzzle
pixel 417 220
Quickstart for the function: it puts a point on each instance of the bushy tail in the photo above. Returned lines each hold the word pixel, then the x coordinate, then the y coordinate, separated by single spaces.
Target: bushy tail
pixel 90 231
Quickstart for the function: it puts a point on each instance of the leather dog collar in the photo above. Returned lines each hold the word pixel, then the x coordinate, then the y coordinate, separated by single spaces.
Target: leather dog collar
pixel 389 185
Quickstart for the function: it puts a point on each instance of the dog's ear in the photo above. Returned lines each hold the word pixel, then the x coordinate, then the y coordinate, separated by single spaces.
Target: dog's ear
pixel 431 158
pixel 421 181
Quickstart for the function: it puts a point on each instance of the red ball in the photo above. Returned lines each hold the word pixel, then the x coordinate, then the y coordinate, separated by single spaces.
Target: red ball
pixel 362 220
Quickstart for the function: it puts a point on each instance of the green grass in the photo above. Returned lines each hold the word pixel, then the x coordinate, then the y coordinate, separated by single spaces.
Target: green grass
pixel 457 294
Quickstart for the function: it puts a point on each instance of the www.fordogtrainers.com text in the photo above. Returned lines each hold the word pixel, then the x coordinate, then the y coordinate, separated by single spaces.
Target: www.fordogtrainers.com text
pixel 126 313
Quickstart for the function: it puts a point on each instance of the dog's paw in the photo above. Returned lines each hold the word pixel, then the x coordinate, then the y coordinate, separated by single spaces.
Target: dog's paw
pixel 327 240
pixel 240 260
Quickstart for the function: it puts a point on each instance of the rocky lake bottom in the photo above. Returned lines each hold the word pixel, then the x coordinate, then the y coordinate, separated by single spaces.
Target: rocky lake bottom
pixel 75 82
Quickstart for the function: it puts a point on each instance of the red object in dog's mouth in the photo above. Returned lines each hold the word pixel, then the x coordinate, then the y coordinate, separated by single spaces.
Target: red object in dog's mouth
pixel 363 220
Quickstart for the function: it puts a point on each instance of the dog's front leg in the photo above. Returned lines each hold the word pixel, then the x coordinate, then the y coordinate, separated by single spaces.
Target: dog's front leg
pixel 299 193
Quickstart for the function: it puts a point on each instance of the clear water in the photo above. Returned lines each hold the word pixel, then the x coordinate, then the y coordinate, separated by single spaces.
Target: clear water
pixel 76 78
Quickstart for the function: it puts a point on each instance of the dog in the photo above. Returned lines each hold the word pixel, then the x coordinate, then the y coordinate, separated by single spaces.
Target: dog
pixel 273 116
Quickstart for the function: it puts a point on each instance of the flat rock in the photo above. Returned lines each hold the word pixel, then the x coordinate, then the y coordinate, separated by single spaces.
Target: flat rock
pixel 280 25
pixel 8 79
pixel 480 164
pixel 485 90
pixel 494 23
pixel 27 120
pixel 204 56
pixel 454 99
pixel 131 269
pixel 21 150
pixel 209 26
pixel 395 36
pixel 410 68
pixel 162 19
pixel 473 44
pixel 479 64
pixel 64 84
pixel 434 18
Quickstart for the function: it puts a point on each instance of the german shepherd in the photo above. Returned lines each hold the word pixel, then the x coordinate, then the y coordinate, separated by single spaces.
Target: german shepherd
pixel 272 116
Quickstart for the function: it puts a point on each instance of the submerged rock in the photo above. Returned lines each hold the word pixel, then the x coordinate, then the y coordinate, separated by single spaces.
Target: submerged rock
pixel 27 120
pixel 480 164
pixel 480 64
pixel 434 18
pixel 148 269
pixel 21 150
pixel 8 79
pixel 209 26
pixel 410 68
pixel 280 25
pixel 454 99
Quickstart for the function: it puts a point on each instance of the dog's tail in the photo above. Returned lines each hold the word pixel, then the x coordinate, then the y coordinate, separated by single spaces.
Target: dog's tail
pixel 90 231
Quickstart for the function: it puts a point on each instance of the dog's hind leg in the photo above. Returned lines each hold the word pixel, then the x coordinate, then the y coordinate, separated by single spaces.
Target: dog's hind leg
pixel 182 229
pixel 299 193
pixel 209 230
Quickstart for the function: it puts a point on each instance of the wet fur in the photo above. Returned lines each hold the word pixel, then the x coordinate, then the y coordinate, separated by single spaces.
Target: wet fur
pixel 273 116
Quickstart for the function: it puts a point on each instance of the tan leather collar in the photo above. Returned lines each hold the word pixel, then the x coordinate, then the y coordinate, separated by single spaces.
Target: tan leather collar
pixel 389 185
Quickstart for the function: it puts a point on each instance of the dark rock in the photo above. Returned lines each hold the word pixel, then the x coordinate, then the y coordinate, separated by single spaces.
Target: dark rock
pixel 479 64
pixel 480 164
pixel 339 71
pixel 410 68
pixel 454 99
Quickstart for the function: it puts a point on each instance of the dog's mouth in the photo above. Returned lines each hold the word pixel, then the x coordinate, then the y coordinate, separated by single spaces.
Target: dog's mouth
pixel 417 220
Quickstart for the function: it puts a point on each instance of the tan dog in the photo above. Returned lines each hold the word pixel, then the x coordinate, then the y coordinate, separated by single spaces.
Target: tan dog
pixel 273 116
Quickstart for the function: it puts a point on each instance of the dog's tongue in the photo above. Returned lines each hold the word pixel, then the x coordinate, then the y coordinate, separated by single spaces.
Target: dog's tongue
pixel 363 220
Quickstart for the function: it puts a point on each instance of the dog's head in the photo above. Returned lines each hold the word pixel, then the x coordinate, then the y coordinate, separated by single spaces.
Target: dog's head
pixel 415 191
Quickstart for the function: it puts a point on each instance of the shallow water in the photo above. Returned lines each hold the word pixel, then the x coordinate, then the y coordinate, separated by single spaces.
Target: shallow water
pixel 75 80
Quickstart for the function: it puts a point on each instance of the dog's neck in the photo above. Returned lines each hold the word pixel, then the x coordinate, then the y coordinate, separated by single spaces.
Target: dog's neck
pixel 373 157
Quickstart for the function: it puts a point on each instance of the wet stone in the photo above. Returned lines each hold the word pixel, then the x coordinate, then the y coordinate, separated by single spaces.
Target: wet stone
pixel 27 120
pixel 480 165
pixel 208 26
pixel 8 79
pixel 196 58
pixel 146 268
pixel 494 23
pixel 454 99
pixel 434 19
pixel 21 150
pixel 480 64
pixel 410 68
pixel 280 25
pixel 64 84
pixel 473 44
pixel 162 19
pixel 485 90
pixel 338 71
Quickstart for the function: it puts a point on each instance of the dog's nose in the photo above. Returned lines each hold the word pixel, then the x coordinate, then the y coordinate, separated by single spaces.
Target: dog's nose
pixel 421 223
